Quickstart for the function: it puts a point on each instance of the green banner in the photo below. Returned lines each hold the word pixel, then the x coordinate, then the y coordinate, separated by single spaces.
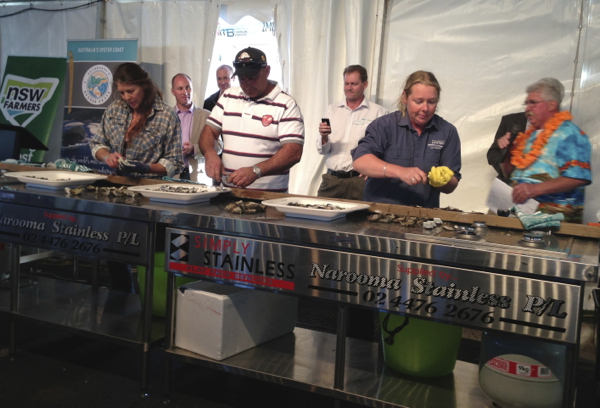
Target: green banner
pixel 29 97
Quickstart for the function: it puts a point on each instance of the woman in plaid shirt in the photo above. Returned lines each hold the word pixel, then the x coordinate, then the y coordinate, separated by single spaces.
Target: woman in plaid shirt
pixel 140 134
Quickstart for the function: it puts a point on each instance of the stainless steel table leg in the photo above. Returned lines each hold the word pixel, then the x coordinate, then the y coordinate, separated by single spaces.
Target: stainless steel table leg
pixel 75 267
pixel 169 334
pixel 14 295
pixel 95 271
pixel 147 312
pixel 340 349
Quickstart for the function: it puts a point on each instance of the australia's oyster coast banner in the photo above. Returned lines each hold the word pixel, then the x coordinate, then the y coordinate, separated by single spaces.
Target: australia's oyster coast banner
pixel 30 96
pixel 89 92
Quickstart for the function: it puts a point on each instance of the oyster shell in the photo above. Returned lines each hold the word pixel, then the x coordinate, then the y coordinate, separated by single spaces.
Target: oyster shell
pixel 74 191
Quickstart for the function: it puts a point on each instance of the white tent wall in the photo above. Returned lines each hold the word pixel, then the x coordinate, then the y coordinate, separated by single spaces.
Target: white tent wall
pixel 484 53
pixel 36 33
pixel 318 39
pixel 178 36
pixel 587 102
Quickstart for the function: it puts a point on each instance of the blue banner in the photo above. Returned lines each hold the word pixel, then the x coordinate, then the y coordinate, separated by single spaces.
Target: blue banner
pixel 90 67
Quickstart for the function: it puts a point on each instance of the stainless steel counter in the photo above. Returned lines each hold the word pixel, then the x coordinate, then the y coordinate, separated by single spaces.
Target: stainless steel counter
pixel 96 227
pixel 475 277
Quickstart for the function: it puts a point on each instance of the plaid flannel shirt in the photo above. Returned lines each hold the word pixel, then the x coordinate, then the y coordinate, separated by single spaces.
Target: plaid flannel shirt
pixel 159 141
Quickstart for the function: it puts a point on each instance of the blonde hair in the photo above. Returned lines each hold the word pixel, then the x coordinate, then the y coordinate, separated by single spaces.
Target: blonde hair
pixel 417 77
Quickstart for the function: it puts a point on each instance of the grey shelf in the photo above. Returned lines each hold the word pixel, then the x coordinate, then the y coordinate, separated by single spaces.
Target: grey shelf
pixel 305 360
pixel 77 307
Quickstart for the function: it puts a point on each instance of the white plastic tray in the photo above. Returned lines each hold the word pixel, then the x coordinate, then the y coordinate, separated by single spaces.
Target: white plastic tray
pixel 281 204
pixel 55 180
pixel 203 193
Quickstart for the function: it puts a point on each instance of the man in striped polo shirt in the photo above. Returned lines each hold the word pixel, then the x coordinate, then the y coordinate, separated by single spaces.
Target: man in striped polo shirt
pixel 262 129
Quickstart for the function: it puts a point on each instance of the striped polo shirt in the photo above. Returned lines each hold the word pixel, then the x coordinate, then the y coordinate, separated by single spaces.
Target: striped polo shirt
pixel 253 131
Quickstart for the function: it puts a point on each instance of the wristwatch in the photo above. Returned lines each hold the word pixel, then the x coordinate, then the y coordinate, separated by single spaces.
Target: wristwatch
pixel 257 171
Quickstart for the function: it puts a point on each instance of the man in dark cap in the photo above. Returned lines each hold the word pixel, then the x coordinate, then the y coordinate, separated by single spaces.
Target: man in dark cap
pixel 262 129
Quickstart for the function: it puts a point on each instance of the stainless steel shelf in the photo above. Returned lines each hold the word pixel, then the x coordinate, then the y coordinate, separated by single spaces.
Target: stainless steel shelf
pixel 305 360
pixel 76 307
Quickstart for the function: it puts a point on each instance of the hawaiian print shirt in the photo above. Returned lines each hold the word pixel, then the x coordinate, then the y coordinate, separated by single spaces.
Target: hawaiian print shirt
pixel 567 154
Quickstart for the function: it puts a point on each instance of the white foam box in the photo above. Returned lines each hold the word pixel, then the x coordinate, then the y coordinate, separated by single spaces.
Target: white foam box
pixel 218 321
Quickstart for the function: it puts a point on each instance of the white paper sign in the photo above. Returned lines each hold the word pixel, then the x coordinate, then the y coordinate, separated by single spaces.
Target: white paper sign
pixel 500 198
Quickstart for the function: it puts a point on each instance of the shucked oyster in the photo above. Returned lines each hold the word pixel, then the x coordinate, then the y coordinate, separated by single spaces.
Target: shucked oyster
pixel 181 189
pixel 405 221
pixel 242 207
pixel 316 206
pixel 74 191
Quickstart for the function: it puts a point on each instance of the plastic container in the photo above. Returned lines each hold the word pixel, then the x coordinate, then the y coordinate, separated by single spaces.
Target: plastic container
pixel 419 347
pixel 159 295
pixel 532 370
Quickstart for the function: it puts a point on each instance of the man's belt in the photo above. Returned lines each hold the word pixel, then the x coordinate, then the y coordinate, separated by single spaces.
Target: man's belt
pixel 343 174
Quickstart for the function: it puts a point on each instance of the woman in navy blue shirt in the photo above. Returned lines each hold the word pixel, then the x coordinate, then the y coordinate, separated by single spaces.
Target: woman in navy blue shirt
pixel 399 149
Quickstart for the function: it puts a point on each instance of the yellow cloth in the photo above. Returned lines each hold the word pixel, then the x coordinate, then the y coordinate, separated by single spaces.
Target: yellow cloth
pixel 440 176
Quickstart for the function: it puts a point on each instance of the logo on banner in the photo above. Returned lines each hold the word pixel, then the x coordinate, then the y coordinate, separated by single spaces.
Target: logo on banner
pixel 96 85
pixel 180 247
pixel 22 99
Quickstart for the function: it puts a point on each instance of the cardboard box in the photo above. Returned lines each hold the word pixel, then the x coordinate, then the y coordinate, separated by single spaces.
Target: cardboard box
pixel 219 321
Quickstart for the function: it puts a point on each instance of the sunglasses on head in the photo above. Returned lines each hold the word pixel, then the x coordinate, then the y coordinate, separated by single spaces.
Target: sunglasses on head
pixel 249 64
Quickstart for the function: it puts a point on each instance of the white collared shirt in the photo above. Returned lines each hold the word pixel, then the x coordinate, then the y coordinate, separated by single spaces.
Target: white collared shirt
pixel 347 128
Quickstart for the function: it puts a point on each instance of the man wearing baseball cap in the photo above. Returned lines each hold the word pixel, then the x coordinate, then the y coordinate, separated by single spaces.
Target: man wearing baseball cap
pixel 262 129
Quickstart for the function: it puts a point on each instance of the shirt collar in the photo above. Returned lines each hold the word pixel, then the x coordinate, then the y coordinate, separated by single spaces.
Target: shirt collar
pixel 190 110
pixel 405 121
pixel 364 103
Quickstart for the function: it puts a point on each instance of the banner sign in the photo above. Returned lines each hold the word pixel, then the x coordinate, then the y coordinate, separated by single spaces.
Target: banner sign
pixel 84 234
pixel 465 297
pixel 91 65
pixel 29 97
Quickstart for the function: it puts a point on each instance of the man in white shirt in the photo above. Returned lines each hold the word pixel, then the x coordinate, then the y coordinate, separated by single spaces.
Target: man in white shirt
pixel 348 120
pixel 192 120
pixel 262 129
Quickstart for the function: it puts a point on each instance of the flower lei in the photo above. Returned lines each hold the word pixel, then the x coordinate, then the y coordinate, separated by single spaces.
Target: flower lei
pixel 522 160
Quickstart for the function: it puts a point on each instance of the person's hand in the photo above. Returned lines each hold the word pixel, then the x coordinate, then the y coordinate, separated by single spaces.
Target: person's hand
pixel 112 160
pixel 324 129
pixel 242 177
pixel 440 176
pixel 213 167
pixel 128 167
pixel 187 148
pixel 523 192
pixel 413 176
pixel 504 141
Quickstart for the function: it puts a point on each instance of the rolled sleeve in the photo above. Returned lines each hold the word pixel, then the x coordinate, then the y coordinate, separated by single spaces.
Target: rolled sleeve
pixel 173 157
pixel 291 125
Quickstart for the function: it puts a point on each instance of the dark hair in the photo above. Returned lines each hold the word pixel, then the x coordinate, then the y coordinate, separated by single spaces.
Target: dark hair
pixel 132 74
pixel 417 77
pixel 362 71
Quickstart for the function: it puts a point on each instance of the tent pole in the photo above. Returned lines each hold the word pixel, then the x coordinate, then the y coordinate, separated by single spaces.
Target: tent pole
pixel 575 71
pixel 101 20
pixel 382 6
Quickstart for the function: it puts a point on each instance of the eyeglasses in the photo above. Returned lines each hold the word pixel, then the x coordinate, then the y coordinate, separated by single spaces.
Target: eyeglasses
pixel 249 64
pixel 532 103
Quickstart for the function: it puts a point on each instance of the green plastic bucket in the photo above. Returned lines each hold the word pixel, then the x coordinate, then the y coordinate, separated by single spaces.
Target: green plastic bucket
pixel 159 295
pixel 419 347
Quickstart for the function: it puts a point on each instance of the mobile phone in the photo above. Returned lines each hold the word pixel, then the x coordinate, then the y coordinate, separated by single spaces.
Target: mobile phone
pixel 325 120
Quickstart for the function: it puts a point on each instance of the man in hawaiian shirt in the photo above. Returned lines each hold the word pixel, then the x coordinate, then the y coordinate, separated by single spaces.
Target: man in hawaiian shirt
pixel 550 162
